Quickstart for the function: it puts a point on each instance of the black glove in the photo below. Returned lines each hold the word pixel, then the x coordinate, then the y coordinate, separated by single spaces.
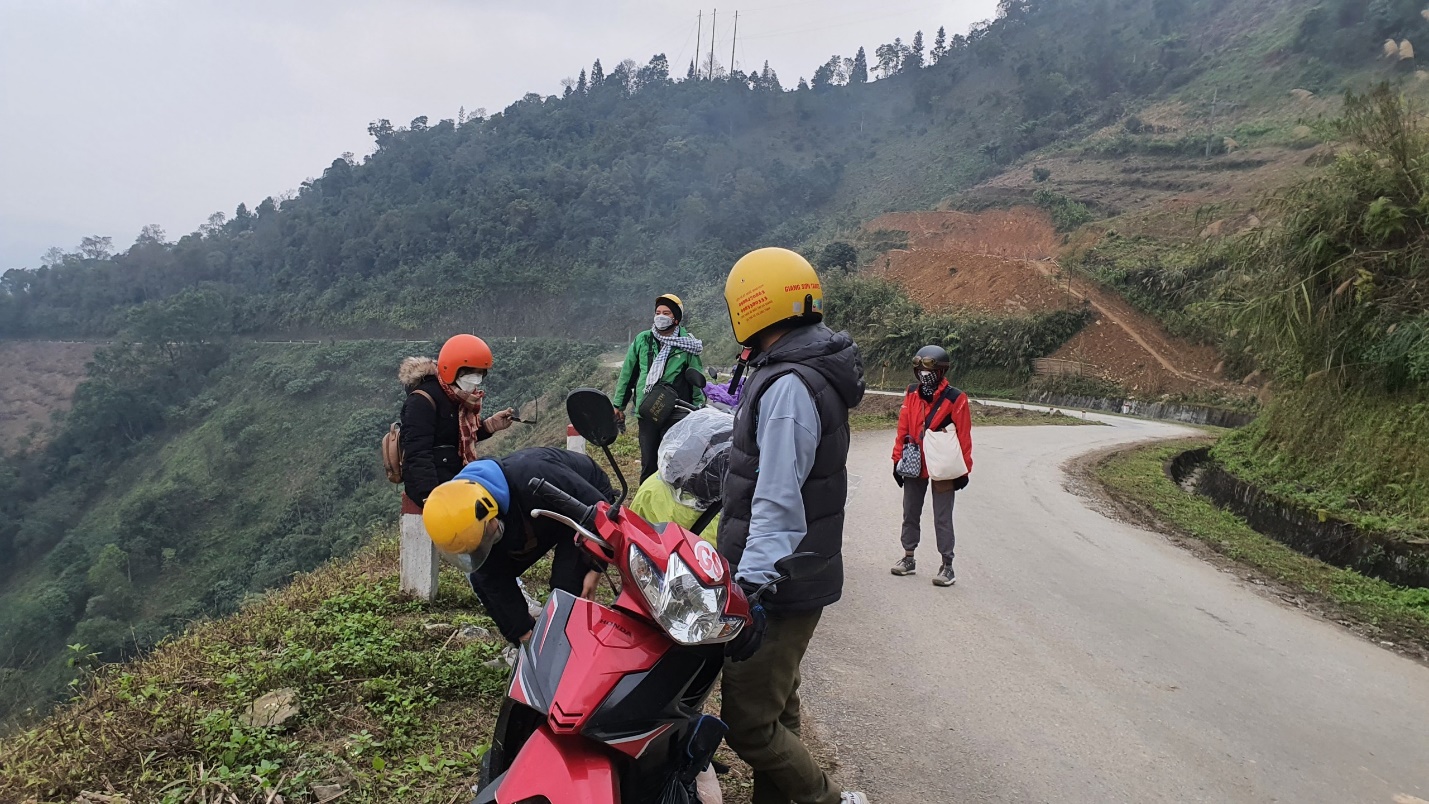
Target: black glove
pixel 744 645
pixel 897 478
pixel 961 483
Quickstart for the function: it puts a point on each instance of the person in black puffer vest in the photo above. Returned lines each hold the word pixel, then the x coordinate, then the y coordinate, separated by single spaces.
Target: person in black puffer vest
pixel 784 493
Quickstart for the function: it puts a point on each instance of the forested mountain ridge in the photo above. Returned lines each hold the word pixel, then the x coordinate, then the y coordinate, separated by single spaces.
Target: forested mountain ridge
pixel 634 177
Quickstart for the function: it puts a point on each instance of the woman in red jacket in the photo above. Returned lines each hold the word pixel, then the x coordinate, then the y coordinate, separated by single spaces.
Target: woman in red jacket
pixel 930 404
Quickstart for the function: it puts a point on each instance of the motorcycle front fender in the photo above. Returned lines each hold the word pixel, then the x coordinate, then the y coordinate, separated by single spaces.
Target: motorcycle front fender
pixel 559 768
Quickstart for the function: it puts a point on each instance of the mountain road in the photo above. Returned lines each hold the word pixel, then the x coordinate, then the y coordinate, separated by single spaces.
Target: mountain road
pixel 1083 659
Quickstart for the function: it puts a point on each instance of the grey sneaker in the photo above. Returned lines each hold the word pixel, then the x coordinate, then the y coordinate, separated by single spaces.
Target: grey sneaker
pixel 945 576
pixel 905 566
pixel 851 797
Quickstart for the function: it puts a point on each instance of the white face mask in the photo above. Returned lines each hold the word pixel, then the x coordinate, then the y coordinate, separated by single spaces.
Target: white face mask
pixel 470 381
pixel 664 322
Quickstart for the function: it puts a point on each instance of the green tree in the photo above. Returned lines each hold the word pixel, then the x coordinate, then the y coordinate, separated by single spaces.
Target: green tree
pixel 656 72
pixel 914 58
pixel 840 255
pixel 597 75
pixel 381 131
pixel 96 247
pixel 859 73
pixel 890 57
pixel 940 46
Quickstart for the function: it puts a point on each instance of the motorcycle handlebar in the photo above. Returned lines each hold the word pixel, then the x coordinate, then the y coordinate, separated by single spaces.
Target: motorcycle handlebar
pixel 563 503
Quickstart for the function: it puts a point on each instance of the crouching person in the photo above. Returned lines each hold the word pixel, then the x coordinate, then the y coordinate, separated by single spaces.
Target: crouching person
pixel 482 519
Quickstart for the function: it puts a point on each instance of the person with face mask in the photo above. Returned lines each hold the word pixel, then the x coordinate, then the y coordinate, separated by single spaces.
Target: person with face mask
pixel 441 417
pixel 929 404
pixel 659 355
pixel 481 520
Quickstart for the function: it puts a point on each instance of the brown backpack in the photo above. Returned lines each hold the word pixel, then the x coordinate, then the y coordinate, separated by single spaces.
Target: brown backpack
pixel 392 446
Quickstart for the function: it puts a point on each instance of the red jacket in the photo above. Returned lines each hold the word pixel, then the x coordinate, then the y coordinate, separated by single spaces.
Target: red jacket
pixel 914 415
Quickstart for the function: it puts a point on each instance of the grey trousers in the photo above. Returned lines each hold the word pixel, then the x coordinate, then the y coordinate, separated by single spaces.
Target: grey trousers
pixel 914 490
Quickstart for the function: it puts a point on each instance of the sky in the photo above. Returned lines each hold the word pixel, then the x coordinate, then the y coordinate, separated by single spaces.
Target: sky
pixel 119 113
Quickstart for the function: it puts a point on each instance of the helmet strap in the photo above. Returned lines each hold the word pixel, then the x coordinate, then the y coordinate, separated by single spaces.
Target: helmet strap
pixel 739 366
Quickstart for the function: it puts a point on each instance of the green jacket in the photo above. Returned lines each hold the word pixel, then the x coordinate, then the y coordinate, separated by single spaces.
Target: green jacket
pixel 637 364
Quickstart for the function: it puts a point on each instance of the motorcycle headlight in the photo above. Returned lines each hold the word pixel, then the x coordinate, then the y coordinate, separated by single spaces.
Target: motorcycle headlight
pixel 690 612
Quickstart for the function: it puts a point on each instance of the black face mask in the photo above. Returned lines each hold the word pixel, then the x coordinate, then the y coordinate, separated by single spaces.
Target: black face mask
pixel 927 383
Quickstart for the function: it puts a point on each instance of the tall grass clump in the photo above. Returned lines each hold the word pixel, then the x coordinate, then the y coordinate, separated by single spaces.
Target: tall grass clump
pixel 1340 285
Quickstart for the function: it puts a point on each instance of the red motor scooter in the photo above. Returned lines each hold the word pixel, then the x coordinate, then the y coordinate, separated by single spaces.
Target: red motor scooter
pixel 606 702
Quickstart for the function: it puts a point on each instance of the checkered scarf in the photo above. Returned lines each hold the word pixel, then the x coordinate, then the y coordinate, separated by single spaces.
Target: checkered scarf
pixel 680 340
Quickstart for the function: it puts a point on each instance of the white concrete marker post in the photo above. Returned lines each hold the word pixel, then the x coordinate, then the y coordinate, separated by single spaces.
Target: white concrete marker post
pixel 419 560
pixel 575 442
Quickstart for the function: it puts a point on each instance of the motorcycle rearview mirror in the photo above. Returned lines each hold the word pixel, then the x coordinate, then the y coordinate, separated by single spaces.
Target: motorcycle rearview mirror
pixel 694 377
pixel 714 374
pixel 593 416
pixel 801 565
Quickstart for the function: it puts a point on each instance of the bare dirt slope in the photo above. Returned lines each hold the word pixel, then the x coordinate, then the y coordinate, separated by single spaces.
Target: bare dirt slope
pixel 37 379
pixel 1004 262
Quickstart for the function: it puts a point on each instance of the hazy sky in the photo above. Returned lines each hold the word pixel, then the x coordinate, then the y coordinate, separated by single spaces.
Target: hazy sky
pixel 120 113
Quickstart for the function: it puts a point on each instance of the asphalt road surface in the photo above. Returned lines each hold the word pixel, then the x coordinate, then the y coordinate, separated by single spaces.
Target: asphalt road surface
pixel 1080 659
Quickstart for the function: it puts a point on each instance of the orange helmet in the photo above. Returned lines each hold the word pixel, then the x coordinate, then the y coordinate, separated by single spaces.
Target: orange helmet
pixel 462 351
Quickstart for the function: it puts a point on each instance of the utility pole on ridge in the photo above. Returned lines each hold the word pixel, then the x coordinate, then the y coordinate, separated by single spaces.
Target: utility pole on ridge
pixel 714 27
pixel 699 40
pixel 734 41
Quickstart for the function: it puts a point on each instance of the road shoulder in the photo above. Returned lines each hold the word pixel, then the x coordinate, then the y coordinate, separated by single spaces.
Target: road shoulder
pixel 1129 483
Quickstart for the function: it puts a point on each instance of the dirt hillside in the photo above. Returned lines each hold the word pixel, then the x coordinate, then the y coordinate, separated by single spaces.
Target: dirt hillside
pixel 1004 262
pixel 37 379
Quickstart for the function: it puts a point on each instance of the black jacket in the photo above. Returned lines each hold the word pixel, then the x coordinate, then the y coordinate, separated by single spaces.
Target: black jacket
pixel 527 540
pixel 830 367
pixel 431 439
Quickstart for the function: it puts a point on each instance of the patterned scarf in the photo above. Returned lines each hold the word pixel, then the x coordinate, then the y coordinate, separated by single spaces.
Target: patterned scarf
pixel 680 340
pixel 468 418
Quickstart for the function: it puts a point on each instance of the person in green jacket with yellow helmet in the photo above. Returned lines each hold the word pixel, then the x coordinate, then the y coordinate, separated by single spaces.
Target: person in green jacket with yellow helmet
pixel 659 355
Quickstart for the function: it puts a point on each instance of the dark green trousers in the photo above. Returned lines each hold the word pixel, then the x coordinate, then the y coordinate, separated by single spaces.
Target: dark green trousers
pixel 761 707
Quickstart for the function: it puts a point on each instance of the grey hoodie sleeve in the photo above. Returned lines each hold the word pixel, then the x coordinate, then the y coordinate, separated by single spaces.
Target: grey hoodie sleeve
pixel 788 435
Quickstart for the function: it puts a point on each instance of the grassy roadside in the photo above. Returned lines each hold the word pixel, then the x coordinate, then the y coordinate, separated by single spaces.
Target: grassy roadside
pixel 1136 479
pixel 1351 456
pixel 394 702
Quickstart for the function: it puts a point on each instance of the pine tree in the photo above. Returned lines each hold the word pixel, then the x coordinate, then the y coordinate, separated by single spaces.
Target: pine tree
pixel 769 79
pixel 597 75
pixel 803 85
pixel 940 45
pixel 914 61
pixel 580 83
pixel 859 73
pixel 690 74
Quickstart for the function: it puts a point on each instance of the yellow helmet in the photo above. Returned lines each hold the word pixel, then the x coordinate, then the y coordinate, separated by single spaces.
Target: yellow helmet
pixel 769 286
pixel 675 304
pixel 455 515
